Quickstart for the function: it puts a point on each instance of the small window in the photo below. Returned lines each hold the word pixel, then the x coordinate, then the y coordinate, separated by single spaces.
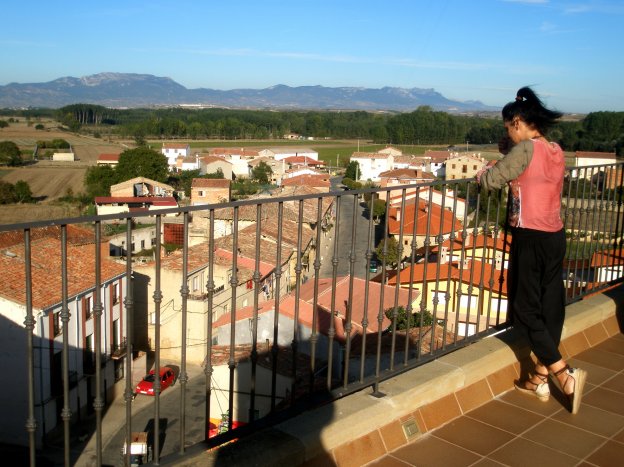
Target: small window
pixel 115 293
pixel 58 326
pixel 88 307
pixel 142 244
pixel 464 169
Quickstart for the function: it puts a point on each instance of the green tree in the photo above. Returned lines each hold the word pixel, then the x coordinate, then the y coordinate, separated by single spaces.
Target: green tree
pixel 98 180
pixel 262 173
pixel 22 192
pixel 353 171
pixel 142 162
pixel 414 320
pixel 9 153
pixel 4 124
pixel 7 193
pixel 378 208
pixel 392 251
pixel 217 174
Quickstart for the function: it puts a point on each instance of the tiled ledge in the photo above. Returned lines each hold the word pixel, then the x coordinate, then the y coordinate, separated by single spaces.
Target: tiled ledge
pixel 361 428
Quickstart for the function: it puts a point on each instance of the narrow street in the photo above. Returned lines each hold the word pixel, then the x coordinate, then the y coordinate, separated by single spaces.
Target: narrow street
pixel 345 233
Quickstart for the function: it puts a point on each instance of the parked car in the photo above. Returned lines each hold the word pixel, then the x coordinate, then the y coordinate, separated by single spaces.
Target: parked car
pixel 146 385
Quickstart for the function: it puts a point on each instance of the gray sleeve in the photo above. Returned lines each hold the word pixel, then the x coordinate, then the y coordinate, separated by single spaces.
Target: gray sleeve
pixel 508 168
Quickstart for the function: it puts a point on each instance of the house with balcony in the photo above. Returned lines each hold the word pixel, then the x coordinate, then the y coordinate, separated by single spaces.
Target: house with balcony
pixel 303 161
pixel 141 186
pixel 391 151
pixel 412 162
pixel 446 199
pixel 47 302
pixel 425 223
pixel 278 168
pixel 318 181
pixel 141 239
pixel 356 311
pixel 459 166
pixel 171 277
pixel 209 164
pixel 238 157
pixel 398 177
pixel 222 270
pixel 108 159
pixel 174 150
pixel 437 159
pixel 138 194
pixel 190 162
pixel 210 191
pixel 284 152
pixel 248 215
pixel 372 164
pixel 488 247
pixel 458 293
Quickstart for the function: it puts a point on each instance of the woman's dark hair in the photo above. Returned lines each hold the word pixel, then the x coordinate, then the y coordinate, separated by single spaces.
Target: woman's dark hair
pixel 530 109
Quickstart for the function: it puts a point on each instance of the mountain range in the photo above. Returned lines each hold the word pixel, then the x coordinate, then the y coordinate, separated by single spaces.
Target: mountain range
pixel 143 90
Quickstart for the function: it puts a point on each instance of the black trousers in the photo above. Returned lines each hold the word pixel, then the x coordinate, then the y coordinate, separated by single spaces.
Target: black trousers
pixel 537 295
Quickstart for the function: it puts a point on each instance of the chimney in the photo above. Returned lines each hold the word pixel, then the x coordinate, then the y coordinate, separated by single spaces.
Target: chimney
pixel 498 265
pixel 398 214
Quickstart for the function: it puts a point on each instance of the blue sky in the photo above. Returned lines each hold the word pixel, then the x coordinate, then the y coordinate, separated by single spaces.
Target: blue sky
pixel 569 51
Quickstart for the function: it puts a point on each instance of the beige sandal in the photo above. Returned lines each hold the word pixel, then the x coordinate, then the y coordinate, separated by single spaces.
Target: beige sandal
pixel 578 377
pixel 541 390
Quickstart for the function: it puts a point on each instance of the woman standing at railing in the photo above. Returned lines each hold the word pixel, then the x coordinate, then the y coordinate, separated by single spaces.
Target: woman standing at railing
pixel 534 169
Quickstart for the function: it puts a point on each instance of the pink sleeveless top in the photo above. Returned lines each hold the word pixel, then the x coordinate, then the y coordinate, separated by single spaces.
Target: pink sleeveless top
pixel 536 193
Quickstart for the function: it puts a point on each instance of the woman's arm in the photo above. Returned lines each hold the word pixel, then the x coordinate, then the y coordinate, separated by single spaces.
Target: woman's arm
pixel 508 168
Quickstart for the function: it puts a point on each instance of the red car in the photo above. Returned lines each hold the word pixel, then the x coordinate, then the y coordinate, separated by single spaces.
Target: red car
pixel 146 385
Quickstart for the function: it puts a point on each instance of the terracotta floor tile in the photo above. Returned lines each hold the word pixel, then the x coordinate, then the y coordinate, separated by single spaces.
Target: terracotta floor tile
pixel 612 345
pixel 602 358
pixel 528 402
pixel 596 374
pixel 486 462
pixel 392 435
pixel 435 452
pixel 575 344
pixel 616 383
pixel 474 395
pixel 389 461
pixel 522 452
pixel 609 455
pixel 473 435
pixel 596 334
pixel 360 451
pixel 565 438
pixel 605 399
pixel 441 411
pixel 505 416
pixel 592 419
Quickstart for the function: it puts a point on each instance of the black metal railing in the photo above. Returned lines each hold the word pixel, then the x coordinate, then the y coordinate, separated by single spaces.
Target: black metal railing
pixel 321 319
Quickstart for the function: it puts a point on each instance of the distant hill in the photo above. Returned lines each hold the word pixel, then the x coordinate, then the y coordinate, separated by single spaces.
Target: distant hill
pixel 142 90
